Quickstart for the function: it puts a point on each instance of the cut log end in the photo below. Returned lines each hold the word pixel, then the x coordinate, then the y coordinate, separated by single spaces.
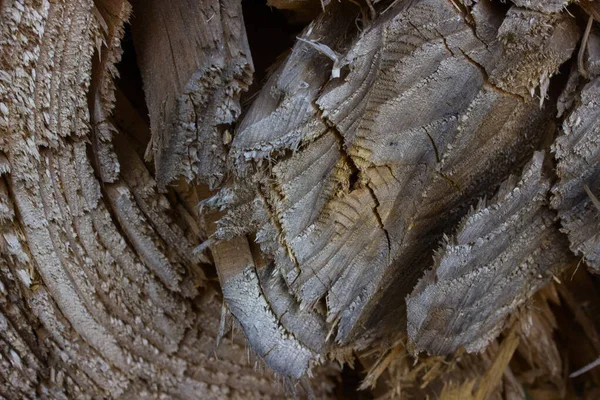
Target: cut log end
pixel 308 220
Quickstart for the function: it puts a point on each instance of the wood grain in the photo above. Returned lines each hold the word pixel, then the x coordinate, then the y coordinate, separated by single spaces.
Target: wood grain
pixel 101 295
pixel 195 63
pixel 501 253
pixel 356 179
pixel 577 150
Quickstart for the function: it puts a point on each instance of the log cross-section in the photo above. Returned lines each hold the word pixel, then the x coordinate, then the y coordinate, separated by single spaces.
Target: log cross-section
pixel 350 182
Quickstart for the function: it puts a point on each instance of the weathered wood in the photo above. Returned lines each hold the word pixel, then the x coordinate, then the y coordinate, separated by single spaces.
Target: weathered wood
pixel 545 6
pixel 284 115
pixel 577 150
pixel 360 190
pixel 243 294
pixel 500 255
pixel 101 294
pixel 195 63
pixel 379 136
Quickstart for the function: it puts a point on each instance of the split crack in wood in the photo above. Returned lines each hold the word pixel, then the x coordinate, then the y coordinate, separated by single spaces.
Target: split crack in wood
pixel 105 273
pixel 360 112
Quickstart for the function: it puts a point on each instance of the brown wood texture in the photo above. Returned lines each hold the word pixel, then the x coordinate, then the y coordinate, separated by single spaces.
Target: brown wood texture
pixel 102 295
pixel 413 190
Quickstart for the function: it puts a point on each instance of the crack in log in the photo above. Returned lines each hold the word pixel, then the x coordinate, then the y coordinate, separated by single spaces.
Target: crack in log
pixel 277 223
pixel 486 76
pixel 361 176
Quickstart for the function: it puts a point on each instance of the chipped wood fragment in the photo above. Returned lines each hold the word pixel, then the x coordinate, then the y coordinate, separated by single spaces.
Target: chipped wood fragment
pixel 576 151
pixel 545 6
pixel 195 63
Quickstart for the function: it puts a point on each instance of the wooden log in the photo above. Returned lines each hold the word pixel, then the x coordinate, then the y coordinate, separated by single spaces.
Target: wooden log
pixel 378 137
pixel 101 294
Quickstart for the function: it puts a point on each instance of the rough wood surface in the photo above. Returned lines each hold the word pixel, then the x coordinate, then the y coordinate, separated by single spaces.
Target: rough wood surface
pixel 101 294
pixel 547 6
pixel 353 186
pixel 577 150
pixel 195 63
pixel 375 140
pixel 501 254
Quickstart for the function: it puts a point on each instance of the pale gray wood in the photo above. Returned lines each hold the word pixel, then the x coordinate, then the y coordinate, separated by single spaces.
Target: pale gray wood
pixel 502 252
pixel 546 6
pixel 356 178
pixel 576 150
pixel 195 63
